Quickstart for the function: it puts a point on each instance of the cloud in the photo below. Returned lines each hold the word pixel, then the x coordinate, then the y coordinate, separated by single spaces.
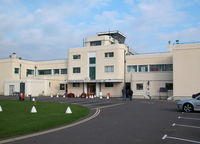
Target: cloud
pixel 184 35
pixel 46 30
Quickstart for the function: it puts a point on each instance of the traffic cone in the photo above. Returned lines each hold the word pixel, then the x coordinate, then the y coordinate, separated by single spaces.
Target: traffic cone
pixel 108 96
pixel 68 111
pixel 33 110
pixel 51 95
pixel 57 95
pixel 100 97
pixel 1 109
pixel 64 96
pixel 33 99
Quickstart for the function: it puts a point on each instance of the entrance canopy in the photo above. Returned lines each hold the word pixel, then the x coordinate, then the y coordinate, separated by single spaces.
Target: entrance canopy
pixel 92 81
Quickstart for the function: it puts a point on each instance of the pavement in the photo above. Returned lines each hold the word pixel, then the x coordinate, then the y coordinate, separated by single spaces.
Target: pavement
pixel 129 122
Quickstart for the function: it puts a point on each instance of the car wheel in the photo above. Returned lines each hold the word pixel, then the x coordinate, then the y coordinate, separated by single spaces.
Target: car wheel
pixel 187 107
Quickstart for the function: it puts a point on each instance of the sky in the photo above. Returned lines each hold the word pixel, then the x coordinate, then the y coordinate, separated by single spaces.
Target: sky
pixel 46 29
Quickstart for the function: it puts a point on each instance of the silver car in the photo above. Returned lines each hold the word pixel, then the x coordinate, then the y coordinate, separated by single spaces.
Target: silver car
pixel 189 105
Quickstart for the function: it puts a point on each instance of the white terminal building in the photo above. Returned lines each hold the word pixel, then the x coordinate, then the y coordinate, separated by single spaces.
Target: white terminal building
pixel 105 65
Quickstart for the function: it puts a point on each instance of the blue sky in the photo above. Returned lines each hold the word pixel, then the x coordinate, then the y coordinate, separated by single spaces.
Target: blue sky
pixel 45 29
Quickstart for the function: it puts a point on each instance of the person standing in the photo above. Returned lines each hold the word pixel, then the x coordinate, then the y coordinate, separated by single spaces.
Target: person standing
pixel 124 93
pixel 130 94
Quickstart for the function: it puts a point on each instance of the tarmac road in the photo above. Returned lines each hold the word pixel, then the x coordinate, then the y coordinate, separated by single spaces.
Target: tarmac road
pixel 134 122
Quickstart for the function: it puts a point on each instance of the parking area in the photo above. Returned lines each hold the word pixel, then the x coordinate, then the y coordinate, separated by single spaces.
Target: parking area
pixel 139 121
pixel 91 103
pixel 185 129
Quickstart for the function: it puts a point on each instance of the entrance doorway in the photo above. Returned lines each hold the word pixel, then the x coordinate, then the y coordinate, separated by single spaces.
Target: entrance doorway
pixel 22 87
pixel 128 86
pixel 66 88
pixel 91 88
pixel 11 89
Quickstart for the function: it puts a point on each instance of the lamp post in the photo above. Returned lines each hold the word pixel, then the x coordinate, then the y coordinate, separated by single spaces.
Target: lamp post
pixel 35 70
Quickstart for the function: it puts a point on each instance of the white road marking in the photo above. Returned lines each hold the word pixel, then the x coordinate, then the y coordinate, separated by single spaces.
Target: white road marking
pixel 189 126
pixel 181 139
pixel 164 137
pixel 188 118
pixel 110 105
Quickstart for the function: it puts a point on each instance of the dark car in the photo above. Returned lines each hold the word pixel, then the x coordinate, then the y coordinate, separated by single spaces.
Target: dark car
pixel 195 95
pixel 70 95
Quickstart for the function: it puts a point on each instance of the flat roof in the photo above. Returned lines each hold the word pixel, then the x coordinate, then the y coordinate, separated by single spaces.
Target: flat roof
pixel 115 34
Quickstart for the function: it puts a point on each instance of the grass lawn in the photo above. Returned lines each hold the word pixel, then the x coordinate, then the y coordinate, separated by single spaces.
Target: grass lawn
pixel 16 118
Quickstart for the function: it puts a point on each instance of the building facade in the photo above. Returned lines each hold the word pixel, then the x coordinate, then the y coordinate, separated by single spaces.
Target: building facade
pixel 103 66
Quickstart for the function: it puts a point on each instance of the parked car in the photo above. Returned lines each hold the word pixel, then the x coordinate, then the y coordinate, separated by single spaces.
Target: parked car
pixel 189 105
pixel 195 95
pixel 70 95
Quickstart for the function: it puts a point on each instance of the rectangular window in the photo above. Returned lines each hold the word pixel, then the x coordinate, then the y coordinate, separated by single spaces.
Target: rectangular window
pixel 63 71
pixel 168 67
pixel 143 68
pixel 29 72
pixel 56 71
pixel 109 54
pixel 132 68
pixel 109 84
pixel 62 86
pixel 44 72
pixel 76 56
pixel 76 70
pixel 76 84
pixel 92 60
pixel 139 86
pixel 95 43
pixel 92 73
pixel 169 86
pixel 109 68
pixel 16 70
pixel 158 67
pixel 161 67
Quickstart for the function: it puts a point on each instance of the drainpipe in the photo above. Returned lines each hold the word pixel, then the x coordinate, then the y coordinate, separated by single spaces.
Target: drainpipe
pixel 20 75
pixel 125 68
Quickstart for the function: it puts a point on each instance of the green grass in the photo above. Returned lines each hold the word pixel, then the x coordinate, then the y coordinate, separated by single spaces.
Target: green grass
pixel 16 118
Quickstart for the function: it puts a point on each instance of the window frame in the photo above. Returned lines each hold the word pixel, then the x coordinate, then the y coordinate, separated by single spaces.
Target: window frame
pixel 131 67
pixel 62 86
pixel 76 70
pixel 138 88
pixel 168 87
pixel 76 57
pixel 28 70
pixel 76 85
pixel 55 73
pixel 109 85
pixel 63 69
pixel 109 54
pixel 49 70
pixel 16 70
pixel 106 69
pixel 143 66
pixel 96 43
pixel 92 60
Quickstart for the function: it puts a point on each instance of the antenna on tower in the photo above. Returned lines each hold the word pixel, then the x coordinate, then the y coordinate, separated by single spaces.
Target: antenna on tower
pixel 83 42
